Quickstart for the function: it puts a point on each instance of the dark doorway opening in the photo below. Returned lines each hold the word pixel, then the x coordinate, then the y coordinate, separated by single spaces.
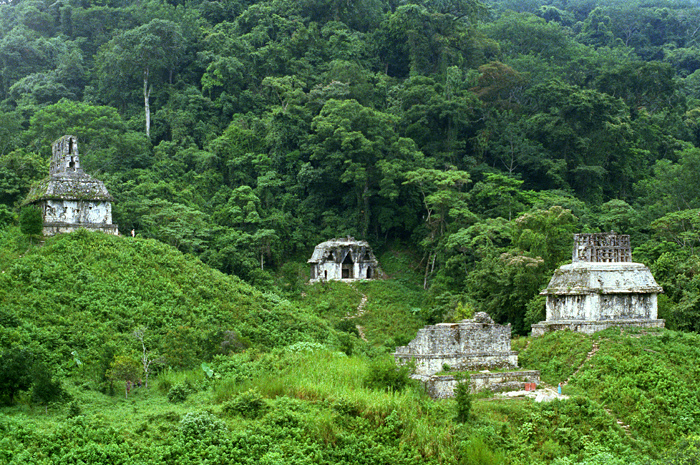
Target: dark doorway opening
pixel 348 265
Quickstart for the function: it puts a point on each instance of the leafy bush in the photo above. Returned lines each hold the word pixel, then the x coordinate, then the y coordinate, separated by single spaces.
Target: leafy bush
pixel 347 326
pixel 383 374
pixel 46 388
pixel 74 409
pixel 463 401
pixel 31 221
pixel 685 452
pixel 249 404
pixel 179 392
pixel 201 425
pixel 15 372
pixel 475 451
pixel 6 216
pixel 201 438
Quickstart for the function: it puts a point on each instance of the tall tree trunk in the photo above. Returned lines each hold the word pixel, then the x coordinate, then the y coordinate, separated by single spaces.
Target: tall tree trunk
pixel 146 98
pixel 365 212
pixel 429 268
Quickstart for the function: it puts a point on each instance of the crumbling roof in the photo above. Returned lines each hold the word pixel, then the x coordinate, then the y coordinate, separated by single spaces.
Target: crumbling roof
pixel 337 249
pixel 67 180
pixel 69 186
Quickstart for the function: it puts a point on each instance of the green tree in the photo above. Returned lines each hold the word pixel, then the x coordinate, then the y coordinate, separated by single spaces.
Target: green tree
pixel 444 199
pixel 15 372
pixel 463 401
pixel 498 195
pixel 46 388
pixel 149 360
pixel 358 147
pixel 105 142
pixel 125 369
pixel 19 169
pixel 546 234
pixel 31 221
pixel 591 133
pixel 144 52
pixel 673 186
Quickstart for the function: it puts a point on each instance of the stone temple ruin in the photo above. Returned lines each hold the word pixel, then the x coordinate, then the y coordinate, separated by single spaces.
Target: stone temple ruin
pixel 343 260
pixel 69 198
pixel 478 346
pixel 601 288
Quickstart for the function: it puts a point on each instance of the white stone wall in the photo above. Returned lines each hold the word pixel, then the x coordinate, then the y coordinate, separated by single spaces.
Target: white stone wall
pixel 601 306
pixel 464 346
pixel 332 271
pixel 77 211
pixel 460 338
pixel 427 365
pixel 52 229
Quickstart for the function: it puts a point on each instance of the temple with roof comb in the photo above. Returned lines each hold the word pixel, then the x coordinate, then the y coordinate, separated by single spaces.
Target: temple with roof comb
pixel 69 198
pixel 601 288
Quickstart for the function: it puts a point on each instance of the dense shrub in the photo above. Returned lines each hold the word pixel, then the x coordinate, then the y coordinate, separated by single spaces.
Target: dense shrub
pixel 31 221
pixel 249 404
pixel 463 401
pixel 385 375
pixel 180 391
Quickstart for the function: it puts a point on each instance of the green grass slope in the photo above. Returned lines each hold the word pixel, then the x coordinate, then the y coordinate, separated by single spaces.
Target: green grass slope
pixel 87 292
pixel 648 380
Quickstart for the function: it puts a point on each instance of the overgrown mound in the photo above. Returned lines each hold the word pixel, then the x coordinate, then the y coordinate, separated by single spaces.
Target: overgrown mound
pixel 649 381
pixel 82 295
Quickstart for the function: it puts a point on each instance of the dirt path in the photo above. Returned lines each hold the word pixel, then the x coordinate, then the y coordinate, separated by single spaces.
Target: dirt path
pixel 590 354
pixel 359 312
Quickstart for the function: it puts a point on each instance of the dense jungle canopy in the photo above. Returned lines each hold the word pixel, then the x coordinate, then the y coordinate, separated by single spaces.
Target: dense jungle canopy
pixel 478 135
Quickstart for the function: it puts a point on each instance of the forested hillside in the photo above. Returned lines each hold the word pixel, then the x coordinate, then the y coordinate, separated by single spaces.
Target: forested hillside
pixel 480 134
pixel 465 140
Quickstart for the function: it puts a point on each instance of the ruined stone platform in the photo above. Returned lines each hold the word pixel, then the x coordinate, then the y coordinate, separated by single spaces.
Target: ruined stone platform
pixel 469 345
pixel 443 386
pixel 465 346
pixel 590 327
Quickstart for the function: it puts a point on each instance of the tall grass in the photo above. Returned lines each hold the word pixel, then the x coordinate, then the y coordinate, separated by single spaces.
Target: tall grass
pixel 326 378
pixel 169 378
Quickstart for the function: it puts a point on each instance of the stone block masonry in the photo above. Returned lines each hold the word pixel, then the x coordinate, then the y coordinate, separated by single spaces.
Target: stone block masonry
pixel 69 198
pixel 467 345
pixel 601 288
pixel 443 386
pixel 470 345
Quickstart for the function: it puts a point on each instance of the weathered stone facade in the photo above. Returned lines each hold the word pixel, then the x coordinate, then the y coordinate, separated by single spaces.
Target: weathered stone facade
pixel 601 288
pixel 70 198
pixel 470 345
pixel 343 260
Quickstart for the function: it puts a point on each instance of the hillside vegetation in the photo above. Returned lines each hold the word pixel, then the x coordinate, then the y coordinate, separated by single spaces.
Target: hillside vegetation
pixel 466 140
pixel 287 381
pixel 478 135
